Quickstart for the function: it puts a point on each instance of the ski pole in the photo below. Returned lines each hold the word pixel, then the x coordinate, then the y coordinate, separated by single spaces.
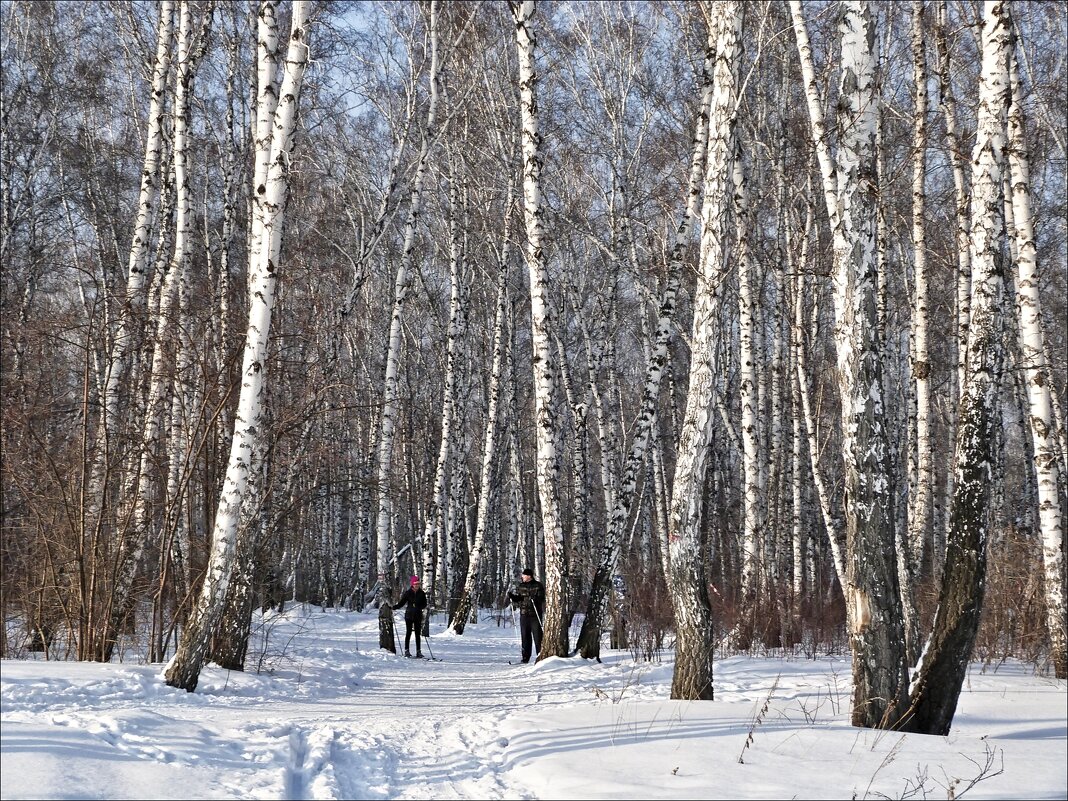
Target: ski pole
pixel 428 648
pixel 541 626
pixel 515 627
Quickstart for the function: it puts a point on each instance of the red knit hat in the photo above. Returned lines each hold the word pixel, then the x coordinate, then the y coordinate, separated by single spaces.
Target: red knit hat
pixel 414 581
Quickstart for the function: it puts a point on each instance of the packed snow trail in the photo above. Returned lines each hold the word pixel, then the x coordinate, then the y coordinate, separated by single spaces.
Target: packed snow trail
pixel 321 712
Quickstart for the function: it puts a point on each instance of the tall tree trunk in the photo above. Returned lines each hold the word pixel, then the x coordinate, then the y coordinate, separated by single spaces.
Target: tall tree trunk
pixel 941 672
pixel 692 679
pixel 589 640
pixel 754 499
pixel 910 557
pixel 1038 378
pixel 962 213
pixel 132 315
pixel 555 638
pixel 184 668
pixel 828 509
pixel 144 484
pixel 390 390
pixel 448 411
pixel 873 603
pixel 469 595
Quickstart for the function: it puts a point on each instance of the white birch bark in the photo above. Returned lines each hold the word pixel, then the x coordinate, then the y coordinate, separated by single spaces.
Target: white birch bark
pixel 448 411
pixel 266 103
pixel 831 521
pixel 489 454
pixel 555 637
pixel 141 488
pixel 401 286
pixel 910 551
pixel 962 213
pixel 184 668
pixel 1037 375
pixel 873 604
pixel 692 679
pixel 941 672
pixel 748 395
pixel 133 308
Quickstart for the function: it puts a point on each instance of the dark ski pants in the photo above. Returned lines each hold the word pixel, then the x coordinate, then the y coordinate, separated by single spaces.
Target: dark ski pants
pixel 410 626
pixel 530 628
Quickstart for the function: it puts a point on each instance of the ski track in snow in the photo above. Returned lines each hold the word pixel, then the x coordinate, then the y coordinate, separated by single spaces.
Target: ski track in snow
pixel 388 728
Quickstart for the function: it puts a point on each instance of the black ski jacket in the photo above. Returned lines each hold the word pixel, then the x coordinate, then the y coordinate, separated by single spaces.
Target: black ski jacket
pixel 529 597
pixel 416 603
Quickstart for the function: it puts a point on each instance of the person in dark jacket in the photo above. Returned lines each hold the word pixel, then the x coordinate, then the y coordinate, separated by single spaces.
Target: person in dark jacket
pixel 415 599
pixel 529 598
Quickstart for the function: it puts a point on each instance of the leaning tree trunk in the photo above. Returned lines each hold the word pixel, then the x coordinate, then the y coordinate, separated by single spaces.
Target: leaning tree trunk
pixel 143 485
pixel 554 642
pixel 1038 377
pixel 489 454
pixel 873 603
pixel 435 510
pixel 390 390
pixel 184 668
pixel 940 674
pixel 692 679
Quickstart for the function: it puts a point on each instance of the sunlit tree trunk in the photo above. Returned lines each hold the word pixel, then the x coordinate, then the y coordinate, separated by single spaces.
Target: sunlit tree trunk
pixel 873 603
pixel 692 679
pixel 145 484
pixel 828 509
pixel 910 557
pixel 132 316
pixel 748 395
pixel 940 674
pixel 1038 377
pixel 589 641
pixel 448 411
pixel 184 668
pixel 954 152
pixel 390 389
pixel 489 455
pixel 555 638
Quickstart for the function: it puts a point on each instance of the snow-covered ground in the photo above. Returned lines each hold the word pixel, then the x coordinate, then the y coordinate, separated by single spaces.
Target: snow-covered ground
pixel 329 715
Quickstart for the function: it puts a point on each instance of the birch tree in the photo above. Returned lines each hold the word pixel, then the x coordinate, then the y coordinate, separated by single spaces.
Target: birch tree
pixel 183 671
pixel 873 604
pixel 449 392
pixel 910 556
pixel 1037 374
pixel 962 212
pixel 144 483
pixel 940 674
pixel 390 391
pixel 692 678
pixel 490 454
pixel 589 641
pixel 133 308
pixel 555 637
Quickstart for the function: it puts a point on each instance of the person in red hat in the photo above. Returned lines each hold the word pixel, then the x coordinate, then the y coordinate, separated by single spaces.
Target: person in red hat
pixel 415 599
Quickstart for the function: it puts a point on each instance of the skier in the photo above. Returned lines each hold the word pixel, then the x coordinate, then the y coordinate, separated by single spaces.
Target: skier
pixel 529 597
pixel 415 599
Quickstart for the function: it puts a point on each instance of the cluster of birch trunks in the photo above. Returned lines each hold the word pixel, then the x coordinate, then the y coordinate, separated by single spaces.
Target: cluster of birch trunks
pixel 742 323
